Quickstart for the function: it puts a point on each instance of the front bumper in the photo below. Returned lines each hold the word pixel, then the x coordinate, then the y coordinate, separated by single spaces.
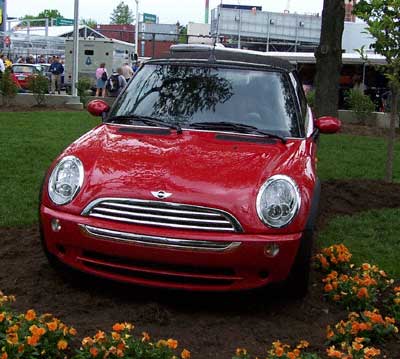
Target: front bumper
pixel 167 258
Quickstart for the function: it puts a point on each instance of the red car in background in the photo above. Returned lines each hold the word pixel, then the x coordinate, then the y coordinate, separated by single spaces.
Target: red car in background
pixel 23 72
pixel 202 176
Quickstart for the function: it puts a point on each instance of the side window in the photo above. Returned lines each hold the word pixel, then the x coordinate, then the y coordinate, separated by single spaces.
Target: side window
pixel 299 92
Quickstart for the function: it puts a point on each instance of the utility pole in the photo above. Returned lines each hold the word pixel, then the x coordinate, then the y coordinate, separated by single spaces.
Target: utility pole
pixel 75 49
pixel 137 28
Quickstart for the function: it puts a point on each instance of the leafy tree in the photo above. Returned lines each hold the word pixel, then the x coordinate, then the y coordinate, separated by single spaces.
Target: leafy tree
pixel 182 31
pixel 382 18
pixel 89 22
pixel 329 59
pixel 45 14
pixel 121 14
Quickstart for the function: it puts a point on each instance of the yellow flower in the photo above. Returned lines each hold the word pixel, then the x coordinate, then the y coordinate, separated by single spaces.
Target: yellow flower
pixel 30 315
pixel 62 344
pixel 115 336
pixel 87 341
pixel 185 354
pixel 72 331
pixel 100 336
pixel 172 344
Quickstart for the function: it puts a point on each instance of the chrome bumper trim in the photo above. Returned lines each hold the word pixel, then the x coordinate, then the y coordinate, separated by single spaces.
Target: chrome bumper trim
pixel 164 242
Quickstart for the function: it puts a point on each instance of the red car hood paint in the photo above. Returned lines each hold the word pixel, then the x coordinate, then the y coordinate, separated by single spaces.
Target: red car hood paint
pixel 196 167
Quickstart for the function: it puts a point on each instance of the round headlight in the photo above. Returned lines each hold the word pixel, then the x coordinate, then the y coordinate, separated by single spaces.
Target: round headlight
pixel 66 180
pixel 278 201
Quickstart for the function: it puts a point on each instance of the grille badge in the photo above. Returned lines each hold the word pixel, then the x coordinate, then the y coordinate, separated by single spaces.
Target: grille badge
pixel 161 194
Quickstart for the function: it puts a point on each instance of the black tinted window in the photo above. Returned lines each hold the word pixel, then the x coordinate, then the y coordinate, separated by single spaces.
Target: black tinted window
pixel 193 94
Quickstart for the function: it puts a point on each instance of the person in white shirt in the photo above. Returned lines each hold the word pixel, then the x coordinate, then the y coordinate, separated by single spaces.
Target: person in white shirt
pixel 2 66
pixel 127 71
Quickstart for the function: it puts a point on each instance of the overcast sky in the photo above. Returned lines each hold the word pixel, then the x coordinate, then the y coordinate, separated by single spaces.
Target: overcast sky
pixel 169 11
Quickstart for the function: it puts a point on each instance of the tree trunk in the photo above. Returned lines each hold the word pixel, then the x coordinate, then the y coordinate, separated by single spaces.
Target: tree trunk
pixel 392 135
pixel 329 59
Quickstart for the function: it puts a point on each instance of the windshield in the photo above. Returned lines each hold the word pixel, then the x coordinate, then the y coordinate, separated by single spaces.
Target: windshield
pixel 25 69
pixel 201 95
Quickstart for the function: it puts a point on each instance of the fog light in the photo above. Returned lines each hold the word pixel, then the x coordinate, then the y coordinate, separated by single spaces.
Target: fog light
pixel 271 250
pixel 55 225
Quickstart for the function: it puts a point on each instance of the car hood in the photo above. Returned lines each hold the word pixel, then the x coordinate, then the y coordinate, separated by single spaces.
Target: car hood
pixel 223 171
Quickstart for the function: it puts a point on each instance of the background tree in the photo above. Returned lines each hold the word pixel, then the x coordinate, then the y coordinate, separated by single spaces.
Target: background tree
pixel 383 23
pixel 45 14
pixel 89 22
pixel 121 15
pixel 329 59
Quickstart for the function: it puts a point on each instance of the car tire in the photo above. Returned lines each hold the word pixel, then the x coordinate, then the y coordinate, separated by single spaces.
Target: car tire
pixel 296 285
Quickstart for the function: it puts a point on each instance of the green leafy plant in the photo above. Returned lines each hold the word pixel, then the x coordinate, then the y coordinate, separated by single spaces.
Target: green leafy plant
pixel 83 86
pixel 8 88
pixel 39 85
pixel 360 104
pixel 311 98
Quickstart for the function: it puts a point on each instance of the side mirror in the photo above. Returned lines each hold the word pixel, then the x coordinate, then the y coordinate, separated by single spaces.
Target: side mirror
pixel 328 124
pixel 98 108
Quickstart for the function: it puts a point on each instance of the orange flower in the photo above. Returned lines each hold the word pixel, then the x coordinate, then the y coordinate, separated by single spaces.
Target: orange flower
pixel 32 340
pixel 118 327
pixel 291 355
pixel 72 331
pixel 396 289
pixel 116 336
pixel 366 266
pixel 329 333
pixel 35 330
pixel 100 336
pixel 358 340
pixel 2 316
pixel 62 344
pixel 328 288
pixel 12 338
pixel 146 337
pixel 362 293
pixel 172 344
pixel 303 344
pixel 30 315
pixel 4 356
pixel 52 325
pixel 185 354
pixel 323 261
pixel 94 352
pixel 372 352
pixel 13 329
pixel 375 317
pixel 121 346
pixel 333 353
pixel 357 346
pixel 279 351
pixel 87 342
pixel 239 352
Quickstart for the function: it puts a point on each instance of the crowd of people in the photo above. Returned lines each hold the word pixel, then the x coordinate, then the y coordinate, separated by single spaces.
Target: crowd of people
pixel 112 84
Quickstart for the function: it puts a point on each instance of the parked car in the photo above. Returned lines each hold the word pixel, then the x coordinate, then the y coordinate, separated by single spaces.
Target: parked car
pixel 202 176
pixel 24 71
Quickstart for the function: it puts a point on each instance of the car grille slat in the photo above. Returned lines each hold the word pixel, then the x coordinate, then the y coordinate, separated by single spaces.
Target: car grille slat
pixel 163 214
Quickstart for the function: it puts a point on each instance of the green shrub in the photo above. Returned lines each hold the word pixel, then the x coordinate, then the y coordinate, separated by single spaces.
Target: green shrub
pixel 8 88
pixel 311 98
pixel 360 104
pixel 83 86
pixel 39 85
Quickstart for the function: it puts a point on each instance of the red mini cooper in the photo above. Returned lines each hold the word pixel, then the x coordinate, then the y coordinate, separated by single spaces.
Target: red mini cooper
pixel 202 176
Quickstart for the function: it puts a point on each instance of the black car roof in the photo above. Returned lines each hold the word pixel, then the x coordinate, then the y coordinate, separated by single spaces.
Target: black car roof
pixel 185 52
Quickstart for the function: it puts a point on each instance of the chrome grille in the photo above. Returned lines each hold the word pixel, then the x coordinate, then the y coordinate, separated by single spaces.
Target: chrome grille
pixel 162 214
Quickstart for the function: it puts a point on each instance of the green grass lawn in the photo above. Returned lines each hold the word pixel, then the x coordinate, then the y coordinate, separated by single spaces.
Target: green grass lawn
pixel 345 156
pixel 29 142
pixel 372 236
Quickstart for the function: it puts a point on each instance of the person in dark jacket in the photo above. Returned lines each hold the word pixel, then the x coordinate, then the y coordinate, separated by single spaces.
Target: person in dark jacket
pixel 56 69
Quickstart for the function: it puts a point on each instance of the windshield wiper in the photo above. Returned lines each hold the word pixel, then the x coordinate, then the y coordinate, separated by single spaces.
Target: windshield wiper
pixel 147 120
pixel 239 127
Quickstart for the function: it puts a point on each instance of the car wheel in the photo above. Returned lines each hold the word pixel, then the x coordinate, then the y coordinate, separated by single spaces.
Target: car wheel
pixel 296 285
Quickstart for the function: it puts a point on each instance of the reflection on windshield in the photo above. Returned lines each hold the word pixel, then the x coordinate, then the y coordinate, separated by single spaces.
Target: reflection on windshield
pixel 194 94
